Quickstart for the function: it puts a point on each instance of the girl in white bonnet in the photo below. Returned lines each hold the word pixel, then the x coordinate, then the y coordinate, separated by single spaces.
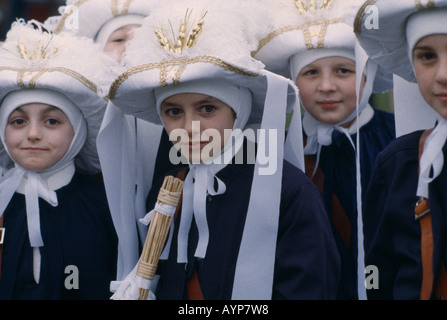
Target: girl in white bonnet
pixel 405 210
pixel 239 234
pixel 54 212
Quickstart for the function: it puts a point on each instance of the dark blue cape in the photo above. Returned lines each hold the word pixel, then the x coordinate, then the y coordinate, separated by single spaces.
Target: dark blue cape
pixel 78 232
pixel 392 235
pixel 307 262
pixel 337 162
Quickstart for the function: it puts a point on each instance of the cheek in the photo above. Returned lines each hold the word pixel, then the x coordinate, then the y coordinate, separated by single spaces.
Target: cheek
pixel 306 93
pixel 424 81
pixel 12 138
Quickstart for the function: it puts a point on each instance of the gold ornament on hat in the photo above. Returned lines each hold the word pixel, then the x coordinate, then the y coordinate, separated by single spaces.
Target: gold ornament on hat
pixel 125 7
pixel 419 5
pixel 41 51
pixel 305 6
pixel 178 43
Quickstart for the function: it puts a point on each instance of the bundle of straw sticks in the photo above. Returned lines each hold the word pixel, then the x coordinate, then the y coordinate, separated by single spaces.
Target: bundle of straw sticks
pixel 168 199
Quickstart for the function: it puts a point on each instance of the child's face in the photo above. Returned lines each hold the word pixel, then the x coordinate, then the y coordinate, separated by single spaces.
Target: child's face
pixel 327 89
pixel 180 110
pixel 38 136
pixel 116 43
pixel 430 66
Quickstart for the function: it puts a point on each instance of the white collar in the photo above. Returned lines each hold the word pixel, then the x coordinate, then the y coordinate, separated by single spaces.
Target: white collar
pixel 53 180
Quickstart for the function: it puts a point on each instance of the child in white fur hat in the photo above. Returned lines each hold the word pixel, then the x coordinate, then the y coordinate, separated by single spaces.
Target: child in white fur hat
pixel 110 24
pixel 406 203
pixel 242 232
pixel 312 43
pixel 54 212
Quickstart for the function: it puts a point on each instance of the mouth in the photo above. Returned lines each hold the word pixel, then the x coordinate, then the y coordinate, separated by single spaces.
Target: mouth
pixel 34 149
pixel 329 104
pixel 442 96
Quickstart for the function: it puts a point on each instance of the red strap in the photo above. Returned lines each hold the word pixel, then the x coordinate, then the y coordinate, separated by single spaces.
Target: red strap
pixel 422 211
pixel 340 219
pixel 193 286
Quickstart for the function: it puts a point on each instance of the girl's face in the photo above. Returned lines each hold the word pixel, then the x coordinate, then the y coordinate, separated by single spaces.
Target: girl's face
pixel 116 44
pixel 206 121
pixel 38 136
pixel 430 66
pixel 327 89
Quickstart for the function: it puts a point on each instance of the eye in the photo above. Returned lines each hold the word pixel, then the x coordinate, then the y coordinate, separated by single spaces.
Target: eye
pixel 425 55
pixel 207 109
pixel 173 112
pixel 309 72
pixel 344 71
pixel 17 121
pixel 52 121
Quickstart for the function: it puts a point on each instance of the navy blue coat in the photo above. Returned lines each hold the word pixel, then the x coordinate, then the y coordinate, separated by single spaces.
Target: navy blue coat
pixel 78 232
pixel 307 262
pixel 337 162
pixel 392 235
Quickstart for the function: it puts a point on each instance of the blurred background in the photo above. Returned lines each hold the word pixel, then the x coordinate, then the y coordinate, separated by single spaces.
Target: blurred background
pixel 10 10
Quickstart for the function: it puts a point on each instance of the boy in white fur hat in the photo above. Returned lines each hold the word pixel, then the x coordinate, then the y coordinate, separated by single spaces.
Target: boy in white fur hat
pixel 239 234
pixel 110 24
pixel 406 203
pixel 312 43
pixel 54 213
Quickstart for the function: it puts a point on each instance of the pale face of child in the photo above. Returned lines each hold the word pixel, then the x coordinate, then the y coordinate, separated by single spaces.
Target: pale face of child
pixel 430 66
pixel 116 43
pixel 38 136
pixel 327 89
pixel 182 111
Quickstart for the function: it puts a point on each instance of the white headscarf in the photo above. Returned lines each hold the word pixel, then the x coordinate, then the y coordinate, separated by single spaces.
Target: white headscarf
pixel 44 183
pixel 199 183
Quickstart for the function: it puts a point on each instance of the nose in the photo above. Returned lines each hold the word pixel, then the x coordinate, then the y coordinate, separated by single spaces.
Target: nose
pixel 191 124
pixel 34 131
pixel 326 83
pixel 441 72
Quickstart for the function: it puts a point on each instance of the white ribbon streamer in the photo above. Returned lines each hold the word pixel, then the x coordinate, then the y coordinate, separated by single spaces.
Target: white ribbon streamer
pixel 34 188
pixel 432 159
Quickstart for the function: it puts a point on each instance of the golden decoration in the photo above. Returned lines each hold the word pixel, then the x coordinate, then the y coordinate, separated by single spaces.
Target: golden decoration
pixel 312 6
pixel 419 5
pixel 124 11
pixel 40 52
pixel 309 30
pixel 34 73
pixel 181 64
pixel 177 45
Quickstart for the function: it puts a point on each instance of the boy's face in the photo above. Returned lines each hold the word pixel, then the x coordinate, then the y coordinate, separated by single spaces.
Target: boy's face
pixel 180 110
pixel 38 136
pixel 327 89
pixel 430 66
pixel 116 43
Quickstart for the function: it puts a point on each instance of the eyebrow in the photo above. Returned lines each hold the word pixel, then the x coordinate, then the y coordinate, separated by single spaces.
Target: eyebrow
pixel 207 99
pixel 424 47
pixel 45 111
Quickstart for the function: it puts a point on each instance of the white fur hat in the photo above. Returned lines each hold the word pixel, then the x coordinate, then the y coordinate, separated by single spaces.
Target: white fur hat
pixel 97 19
pixel 299 32
pixel 399 24
pixel 212 55
pixel 72 67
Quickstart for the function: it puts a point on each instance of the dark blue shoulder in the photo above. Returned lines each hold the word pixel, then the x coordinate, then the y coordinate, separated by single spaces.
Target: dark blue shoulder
pixel 405 144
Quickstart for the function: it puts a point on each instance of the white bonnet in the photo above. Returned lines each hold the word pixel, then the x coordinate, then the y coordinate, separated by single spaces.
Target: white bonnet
pixel 400 24
pixel 97 19
pixel 37 66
